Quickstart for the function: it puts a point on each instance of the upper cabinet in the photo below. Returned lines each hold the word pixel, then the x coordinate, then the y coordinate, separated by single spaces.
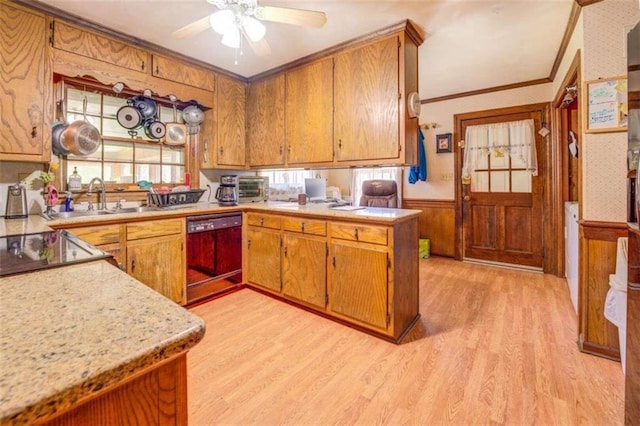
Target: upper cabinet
pixel 367 98
pixel 26 85
pixel 75 40
pixel 174 70
pixel 309 114
pixel 265 115
pixel 224 140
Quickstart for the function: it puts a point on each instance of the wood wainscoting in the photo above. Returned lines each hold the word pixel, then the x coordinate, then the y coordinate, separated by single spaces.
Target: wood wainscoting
pixel 437 222
pixel 598 245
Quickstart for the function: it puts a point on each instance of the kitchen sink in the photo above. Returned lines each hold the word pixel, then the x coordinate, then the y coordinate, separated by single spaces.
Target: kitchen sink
pixel 79 213
pixel 141 209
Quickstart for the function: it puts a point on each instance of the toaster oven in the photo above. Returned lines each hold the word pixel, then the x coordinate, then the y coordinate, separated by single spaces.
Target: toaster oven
pixel 252 189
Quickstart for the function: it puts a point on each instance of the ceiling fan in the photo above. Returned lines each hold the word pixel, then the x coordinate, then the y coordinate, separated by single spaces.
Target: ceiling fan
pixel 238 19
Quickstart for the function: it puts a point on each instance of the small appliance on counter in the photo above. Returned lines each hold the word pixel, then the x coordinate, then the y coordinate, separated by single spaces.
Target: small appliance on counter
pixel 227 192
pixel 16 202
pixel 252 189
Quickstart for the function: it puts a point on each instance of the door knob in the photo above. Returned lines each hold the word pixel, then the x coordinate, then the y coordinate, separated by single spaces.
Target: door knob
pixel 466 198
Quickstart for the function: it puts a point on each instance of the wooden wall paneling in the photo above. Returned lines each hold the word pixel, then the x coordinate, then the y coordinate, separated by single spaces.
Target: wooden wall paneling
pixel 597 246
pixel 437 223
pixel 632 379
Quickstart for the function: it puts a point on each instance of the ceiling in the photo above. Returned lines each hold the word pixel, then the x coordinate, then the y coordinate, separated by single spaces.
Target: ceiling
pixel 470 44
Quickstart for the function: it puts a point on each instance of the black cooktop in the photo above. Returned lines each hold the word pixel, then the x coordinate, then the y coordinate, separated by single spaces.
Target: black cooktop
pixel 31 252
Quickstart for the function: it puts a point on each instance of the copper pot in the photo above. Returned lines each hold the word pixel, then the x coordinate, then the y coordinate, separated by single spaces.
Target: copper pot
pixel 81 137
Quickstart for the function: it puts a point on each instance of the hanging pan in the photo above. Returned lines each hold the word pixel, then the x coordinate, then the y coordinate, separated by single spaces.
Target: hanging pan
pixel 176 132
pixel 81 137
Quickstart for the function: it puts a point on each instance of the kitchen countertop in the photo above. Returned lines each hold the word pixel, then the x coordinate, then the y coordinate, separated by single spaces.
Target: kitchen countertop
pixel 64 338
pixel 320 210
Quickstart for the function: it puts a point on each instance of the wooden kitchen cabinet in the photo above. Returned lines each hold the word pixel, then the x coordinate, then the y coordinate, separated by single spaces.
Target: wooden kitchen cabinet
pixel 156 256
pixel 309 113
pixel 263 245
pixel 108 238
pixel 367 102
pixel 26 105
pixel 81 42
pixel 304 261
pixel 265 118
pixel 181 72
pixel 224 139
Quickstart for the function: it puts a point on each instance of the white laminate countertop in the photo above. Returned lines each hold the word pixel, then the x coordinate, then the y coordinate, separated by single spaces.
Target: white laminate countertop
pixel 69 332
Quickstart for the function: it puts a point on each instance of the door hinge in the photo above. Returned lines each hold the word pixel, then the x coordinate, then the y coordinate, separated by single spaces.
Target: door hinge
pixel 388 319
pixel 399 43
pixel 326 249
pixel 51 32
pixel 388 263
pixel 326 299
pixel 182 246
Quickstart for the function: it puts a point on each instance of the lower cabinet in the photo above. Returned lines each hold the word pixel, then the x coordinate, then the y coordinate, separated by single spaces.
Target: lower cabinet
pixel 304 269
pixel 156 256
pixel 366 275
pixel 105 237
pixel 263 244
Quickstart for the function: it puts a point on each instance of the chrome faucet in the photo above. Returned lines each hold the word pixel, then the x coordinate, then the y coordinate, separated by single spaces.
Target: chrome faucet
pixel 103 195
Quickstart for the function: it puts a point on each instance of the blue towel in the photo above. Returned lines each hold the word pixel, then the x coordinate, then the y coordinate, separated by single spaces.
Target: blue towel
pixel 419 172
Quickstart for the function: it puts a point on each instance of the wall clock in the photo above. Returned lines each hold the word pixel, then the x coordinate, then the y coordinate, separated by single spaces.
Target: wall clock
pixel 413 104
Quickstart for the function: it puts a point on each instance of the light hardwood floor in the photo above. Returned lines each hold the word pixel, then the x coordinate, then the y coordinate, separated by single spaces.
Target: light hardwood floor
pixel 493 346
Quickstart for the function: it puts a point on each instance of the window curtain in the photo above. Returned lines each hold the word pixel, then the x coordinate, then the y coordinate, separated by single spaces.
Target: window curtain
pixel 516 138
pixel 388 173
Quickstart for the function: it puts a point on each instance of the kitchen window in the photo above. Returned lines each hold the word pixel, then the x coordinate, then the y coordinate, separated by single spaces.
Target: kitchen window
pixel 124 157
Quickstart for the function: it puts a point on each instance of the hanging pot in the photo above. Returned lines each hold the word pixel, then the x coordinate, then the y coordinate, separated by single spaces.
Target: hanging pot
pixel 129 117
pixel 59 126
pixel 176 132
pixel 147 107
pixel 81 137
pixel 155 129
pixel 193 115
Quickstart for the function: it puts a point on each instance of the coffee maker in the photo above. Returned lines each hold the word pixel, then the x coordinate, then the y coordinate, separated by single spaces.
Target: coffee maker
pixel 227 192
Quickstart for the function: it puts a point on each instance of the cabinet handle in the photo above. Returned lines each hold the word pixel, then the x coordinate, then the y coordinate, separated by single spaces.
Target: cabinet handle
pixel 133 265
pixel 281 150
pixel 285 252
pixel 356 233
pixel 142 66
pixel 248 243
pixel 157 70
pixel 34 132
pixel 340 143
pixel 221 150
pixel 302 226
pixel 289 149
pixel 262 221
pixel 333 261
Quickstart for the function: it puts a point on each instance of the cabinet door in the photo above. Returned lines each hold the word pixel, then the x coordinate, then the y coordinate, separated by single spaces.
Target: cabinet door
pixel 309 118
pixel 263 262
pixel 265 115
pixel 25 86
pixel 159 263
pixel 357 292
pixel 180 72
pixel 367 102
pixel 304 269
pixel 230 123
pixel 81 42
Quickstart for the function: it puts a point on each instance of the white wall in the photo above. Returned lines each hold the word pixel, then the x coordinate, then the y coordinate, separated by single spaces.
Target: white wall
pixel 604 155
pixel 440 184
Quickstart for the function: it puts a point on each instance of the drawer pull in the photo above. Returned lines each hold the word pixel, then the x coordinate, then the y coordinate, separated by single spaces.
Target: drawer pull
pixel 262 221
pixel 302 226
pixel 285 252
pixel 356 233
pixel 248 243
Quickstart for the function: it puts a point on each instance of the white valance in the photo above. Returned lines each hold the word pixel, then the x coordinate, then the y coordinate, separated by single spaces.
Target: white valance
pixel 517 138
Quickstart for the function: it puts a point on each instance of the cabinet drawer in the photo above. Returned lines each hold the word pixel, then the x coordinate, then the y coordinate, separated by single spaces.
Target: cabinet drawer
pixel 305 226
pixel 75 40
pixel 264 220
pixel 362 233
pixel 180 72
pixel 154 228
pixel 98 234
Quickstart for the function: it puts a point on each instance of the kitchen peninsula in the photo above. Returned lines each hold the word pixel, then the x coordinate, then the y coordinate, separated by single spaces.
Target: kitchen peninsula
pixel 87 343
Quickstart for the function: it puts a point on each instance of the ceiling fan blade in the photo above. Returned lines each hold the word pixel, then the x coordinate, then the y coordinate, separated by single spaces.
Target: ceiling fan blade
pixel 193 28
pixel 309 18
pixel 260 47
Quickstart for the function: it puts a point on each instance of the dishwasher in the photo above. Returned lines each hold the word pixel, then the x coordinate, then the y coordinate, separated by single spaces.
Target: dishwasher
pixel 214 255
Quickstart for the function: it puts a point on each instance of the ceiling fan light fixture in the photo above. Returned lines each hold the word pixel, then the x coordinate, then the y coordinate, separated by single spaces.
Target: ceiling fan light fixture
pixel 223 21
pixel 253 28
pixel 232 38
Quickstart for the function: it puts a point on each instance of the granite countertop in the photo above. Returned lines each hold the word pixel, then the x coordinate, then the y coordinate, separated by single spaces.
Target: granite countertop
pixel 64 338
pixel 319 210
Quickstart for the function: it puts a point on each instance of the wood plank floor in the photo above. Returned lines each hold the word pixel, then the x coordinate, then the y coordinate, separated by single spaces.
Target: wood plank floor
pixel 494 346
